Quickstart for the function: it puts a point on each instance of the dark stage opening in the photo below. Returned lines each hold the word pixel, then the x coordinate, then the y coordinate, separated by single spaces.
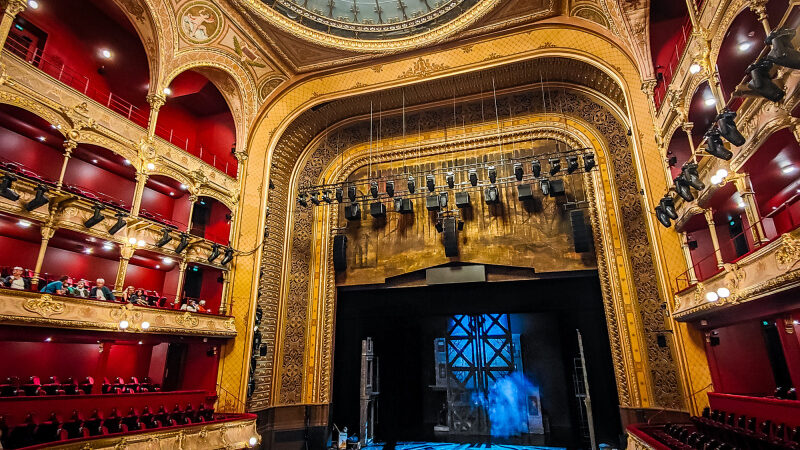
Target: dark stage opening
pixel 524 336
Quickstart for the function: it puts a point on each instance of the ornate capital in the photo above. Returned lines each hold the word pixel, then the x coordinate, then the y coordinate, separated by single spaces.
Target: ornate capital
pixel 649 86
pixel 709 213
pixel 70 145
pixel 126 251
pixel 47 231
pixel 759 7
pixel 141 176
pixel 156 101
pixel 687 126
pixel 14 7
pixel 240 156
pixel 193 198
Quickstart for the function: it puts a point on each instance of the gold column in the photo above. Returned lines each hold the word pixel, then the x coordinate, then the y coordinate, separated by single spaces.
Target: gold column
pixel 745 188
pixel 223 304
pixel 687 255
pixel 156 102
pixel 759 7
pixel 69 146
pixel 192 199
pixel 687 128
pixel 126 252
pixel 141 180
pixel 181 275
pixel 709 213
pixel 13 7
pixel 47 231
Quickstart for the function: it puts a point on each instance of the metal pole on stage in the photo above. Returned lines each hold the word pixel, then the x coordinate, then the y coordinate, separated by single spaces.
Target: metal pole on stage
pixel 587 400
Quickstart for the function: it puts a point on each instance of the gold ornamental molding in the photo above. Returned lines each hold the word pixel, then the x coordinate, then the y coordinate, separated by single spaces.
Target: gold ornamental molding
pixel 35 309
pixel 231 434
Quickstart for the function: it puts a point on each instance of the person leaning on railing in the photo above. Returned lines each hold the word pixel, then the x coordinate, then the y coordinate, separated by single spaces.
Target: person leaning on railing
pixel 57 287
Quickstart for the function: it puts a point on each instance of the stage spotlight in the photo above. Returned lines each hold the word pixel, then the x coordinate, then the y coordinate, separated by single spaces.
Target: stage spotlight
pixel 301 199
pixel 555 165
pixel 761 82
pixel 183 243
pixel 412 185
pixel 692 177
pixel 5 187
pixel 588 161
pixel 326 196
pixel 518 171
pixel 117 226
pixel 715 146
pixel 315 198
pixel 39 199
pixel 165 238
pixel 782 52
pixel 339 194
pixel 351 193
pixel 545 186
pixel 390 188
pixel 462 199
pixel 572 164
pixel 214 252
pixel 662 217
pixel 683 189
pixel 536 168
pixel 492 174
pixel 96 216
pixel 373 188
pixel 727 127
pixel 228 256
pixel 492 195
pixel 443 200
pixel 430 182
pixel 451 179
pixel 668 205
pixel 473 177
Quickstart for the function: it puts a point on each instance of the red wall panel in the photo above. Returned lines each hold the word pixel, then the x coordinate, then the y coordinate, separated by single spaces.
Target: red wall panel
pixel 211 289
pixel 218 229
pixel 16 252
pixel 33 154
pixel 217 134
pixel 703 256
pixel 145 278
pixel 96 179
pixel 45 359
pixel 739 364
pixel 59 262
pixel 200 370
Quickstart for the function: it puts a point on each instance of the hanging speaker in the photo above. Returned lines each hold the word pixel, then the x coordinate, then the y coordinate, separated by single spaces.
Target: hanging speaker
pixel 581 235
pixel 352 211
pixel 525 192
pixel 450 236
pixel 339 252
pixel 462 199
pixel 556 187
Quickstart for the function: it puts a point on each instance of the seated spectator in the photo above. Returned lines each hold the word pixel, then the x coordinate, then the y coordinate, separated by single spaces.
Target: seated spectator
pixel 16 280
pixel 201 307
pixel 126 295
pixel 57 287
pixel 190 306
pixel 80 289
pixel 138 297
pixel 176 304
pixel 101 292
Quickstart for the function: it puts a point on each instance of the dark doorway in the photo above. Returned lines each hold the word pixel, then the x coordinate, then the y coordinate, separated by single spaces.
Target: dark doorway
pixel 173 368
pixel 407 323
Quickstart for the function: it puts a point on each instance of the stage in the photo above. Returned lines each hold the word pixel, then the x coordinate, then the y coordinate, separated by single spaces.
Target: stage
pixel 448 446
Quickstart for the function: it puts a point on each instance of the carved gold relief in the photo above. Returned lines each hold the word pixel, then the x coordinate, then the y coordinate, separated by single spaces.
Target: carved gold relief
pixel 789 252
pixel 45 306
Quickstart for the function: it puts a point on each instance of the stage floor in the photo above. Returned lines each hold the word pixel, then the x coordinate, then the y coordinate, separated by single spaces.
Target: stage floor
pixel 447 446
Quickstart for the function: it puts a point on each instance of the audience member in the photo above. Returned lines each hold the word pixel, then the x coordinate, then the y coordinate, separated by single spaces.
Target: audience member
pixel 126 295
pixel 201 307
pixel 190 306
pixel 16 280
pixel 100 291
pixel 139 298
pixel 80 289
pixel 57 287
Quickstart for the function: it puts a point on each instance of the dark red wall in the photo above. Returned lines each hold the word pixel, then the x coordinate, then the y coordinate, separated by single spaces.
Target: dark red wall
pixel 144 277
pixel 35 155
pixel 200 370
pixel 739 364
pixel 211 289
pixel 218 229
pixel 703 255
pixel 95 179
pixel 59 262
pixel 16 252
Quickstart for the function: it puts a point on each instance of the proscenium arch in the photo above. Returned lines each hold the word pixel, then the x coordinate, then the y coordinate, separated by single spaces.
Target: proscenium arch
pixel 541 40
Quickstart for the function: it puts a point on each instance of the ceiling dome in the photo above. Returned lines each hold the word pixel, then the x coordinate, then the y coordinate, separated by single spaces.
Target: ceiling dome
pixel 372 24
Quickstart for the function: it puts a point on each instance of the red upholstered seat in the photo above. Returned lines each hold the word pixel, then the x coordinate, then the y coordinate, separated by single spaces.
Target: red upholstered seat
pixel 49 431
pixel 10 387
pixel 22 435
pixel 113 423
pixel 163 417
pixel 74 426
pixel 53 387
pixel 33 387
pixel 87 385
pixel 94 424
pixel 132 421
pixel 70 387
pixel 147 419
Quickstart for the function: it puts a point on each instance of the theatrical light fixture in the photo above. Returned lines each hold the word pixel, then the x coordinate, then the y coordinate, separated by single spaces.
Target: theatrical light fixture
pixel 536 168
pixel 315 198
pixel 723 292
pixel 183 243
pixel 518 171
pixel 662 217
pixel 439 226
pixel 492 174
pixel 683 189
pixel 555 165
pixel 252 441
pixel 214 252
pixel 430 182
pixel 715 146
pixel 781 50
pixel 5 187
pixel 326 196
pixel 588 161
pixel 668 205
pixel 167 91
pixel 339 194
pixel 351 193
pixel 352 211
pixel 124 324
pixel 451 179
pixel 572 164
pixel 492 195
pixel 145 325
pixel 140 243
pixel 33 4
pixel 691 176
pixel 228 256
pixel 727 127
pixel 711 296
pixel 473 177
pixel 373 188
pixel 132 240
pixel 165 238
pixel 443 200
pixel 719 177
pixel 96 216
pixel 39 199
pixel 545 187
pixel 377 209
pixel 390 188
pixel 761 82
pixel 301 199
pixel 118 225
pixel 412 185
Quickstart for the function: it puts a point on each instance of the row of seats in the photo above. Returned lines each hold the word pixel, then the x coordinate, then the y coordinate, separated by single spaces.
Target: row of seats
pixel 743 430
pixel 31 432
pixel 12 387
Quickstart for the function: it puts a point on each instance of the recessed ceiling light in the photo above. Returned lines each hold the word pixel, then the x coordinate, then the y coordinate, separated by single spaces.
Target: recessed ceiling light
pixel 745 46
pixel 24 223
pixel 166 260
pixel 107 246
pixel 710 101
pixel 167 91
pixel 87 250
pixel 42 138
pixel 127 163
pixel 132 240
pixel 788 169
pixel 94 161
pixel 171 194
pixel 33 4
pixel 694 68
pixel 140 243
pixel 48 339
pixel 106 53
pixel 183 187
pixel 140 342
pixel 158 266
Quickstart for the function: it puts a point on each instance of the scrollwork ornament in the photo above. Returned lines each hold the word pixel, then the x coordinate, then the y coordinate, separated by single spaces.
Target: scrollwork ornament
pixel 187 320
pixel 789 253
pixel 45 306
pixel 699 292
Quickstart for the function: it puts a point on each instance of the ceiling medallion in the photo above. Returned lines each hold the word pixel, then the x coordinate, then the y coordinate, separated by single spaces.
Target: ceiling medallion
pixel 370 25
pixel 200 22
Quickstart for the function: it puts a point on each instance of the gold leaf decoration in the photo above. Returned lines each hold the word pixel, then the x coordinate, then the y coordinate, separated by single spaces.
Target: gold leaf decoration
pixel 45 306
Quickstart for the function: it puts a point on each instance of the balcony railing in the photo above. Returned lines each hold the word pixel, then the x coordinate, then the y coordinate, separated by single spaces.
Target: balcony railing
pixel 57 69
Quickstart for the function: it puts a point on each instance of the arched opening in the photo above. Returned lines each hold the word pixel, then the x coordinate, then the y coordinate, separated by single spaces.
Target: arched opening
pixel 198 119
pixel 211 219
pixel 166 200
pixel 30 143
pixel 89 45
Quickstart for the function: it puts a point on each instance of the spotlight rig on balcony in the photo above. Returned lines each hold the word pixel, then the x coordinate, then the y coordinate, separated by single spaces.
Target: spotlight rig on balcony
pixel 118 224
pixel 96 216
pixel 215 252
pixel 6 182
pixel 228 257
pixel 39 199
pixel 184 242
pixel 165 238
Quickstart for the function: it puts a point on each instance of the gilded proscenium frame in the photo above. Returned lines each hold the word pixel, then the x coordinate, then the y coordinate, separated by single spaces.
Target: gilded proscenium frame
pixel 270 160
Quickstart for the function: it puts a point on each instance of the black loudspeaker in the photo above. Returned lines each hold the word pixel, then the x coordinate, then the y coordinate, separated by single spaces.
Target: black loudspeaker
pixel 556 187
pixel 352 211
pixel 403 205
pixel 450 236
pixel 462 199
pixel 432 202
pixel 525 192
pixel 339 252
pixel 377 209
pixel 580 232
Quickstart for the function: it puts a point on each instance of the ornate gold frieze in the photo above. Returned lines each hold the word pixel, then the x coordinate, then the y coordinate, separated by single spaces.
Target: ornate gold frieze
pixel 45 306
